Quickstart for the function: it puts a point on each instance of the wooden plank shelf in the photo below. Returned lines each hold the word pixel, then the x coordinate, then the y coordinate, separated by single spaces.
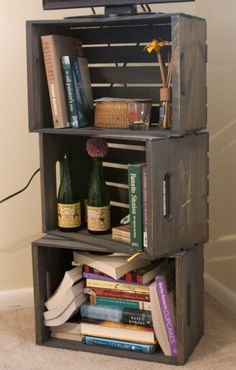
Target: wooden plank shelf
pixel 77 346
pixel 127 134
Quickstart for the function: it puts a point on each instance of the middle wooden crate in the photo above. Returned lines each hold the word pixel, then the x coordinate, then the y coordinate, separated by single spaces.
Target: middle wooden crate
pixel 177 187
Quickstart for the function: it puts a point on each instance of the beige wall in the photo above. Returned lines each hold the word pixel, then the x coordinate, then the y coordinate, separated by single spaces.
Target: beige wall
pixel 20 217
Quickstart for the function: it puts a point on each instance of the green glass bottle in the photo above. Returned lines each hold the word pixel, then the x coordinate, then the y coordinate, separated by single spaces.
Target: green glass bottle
pixel 68 204
pixel 98 202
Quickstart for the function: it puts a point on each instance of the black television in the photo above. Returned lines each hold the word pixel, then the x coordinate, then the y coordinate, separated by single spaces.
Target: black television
pixel 66 4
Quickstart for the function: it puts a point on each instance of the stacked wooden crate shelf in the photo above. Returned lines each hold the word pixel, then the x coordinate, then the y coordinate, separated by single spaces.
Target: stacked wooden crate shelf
pixel 120 68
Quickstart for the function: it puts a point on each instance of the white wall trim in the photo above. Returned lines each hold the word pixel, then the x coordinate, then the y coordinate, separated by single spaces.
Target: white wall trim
pixel 24 297
pixel 16 297
pixel 220 292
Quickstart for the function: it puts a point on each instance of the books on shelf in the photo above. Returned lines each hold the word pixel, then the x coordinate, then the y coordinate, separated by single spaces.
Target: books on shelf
pixel 116 314
pixel 69 279
pixel 119 344
pixel 135 206
pixel 68 80
pixel 54 47
pixel 120 314
pixel 115 330
pixel 162 303
pixel 114 265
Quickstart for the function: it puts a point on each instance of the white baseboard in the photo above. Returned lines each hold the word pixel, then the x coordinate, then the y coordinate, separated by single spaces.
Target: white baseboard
pixel 24 297
pixel 16 297
pixel 220 292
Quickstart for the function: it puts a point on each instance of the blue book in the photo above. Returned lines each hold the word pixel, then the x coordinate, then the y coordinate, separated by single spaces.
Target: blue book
pixel 119 344
pixel 116 314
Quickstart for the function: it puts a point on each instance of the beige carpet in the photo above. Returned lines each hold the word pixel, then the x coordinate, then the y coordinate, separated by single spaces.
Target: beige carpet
pixel 216 350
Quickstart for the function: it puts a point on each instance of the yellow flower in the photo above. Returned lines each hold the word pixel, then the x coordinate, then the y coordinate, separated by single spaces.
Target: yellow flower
pixel 155 45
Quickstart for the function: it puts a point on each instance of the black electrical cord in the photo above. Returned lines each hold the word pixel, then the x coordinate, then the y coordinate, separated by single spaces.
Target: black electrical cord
pixel 20 191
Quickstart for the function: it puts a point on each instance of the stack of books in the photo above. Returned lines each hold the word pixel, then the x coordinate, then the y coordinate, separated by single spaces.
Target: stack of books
pixel 121 306
pixel 108 301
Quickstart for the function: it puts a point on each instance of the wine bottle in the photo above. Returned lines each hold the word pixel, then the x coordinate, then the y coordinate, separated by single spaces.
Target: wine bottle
pixel 98 200
pixel 68 204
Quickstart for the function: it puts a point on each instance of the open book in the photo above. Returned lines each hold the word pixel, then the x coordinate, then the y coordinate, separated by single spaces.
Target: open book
pixel 72 293
pixel 72 309
pixel 69 279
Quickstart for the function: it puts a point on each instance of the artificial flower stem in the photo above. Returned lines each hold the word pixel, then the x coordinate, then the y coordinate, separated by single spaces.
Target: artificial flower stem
pixel 161 69
pixel 169 72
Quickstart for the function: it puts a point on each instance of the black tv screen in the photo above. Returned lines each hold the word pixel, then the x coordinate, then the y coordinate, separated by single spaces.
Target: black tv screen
pixel 65 4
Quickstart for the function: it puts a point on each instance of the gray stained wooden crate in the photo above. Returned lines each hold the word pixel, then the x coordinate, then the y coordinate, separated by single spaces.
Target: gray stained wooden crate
pixel 177 166
pixel 119 67
pixel 51 259
pixel 182 162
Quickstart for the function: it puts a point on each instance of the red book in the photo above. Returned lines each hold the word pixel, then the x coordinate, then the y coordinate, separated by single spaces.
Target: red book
pixel 113 293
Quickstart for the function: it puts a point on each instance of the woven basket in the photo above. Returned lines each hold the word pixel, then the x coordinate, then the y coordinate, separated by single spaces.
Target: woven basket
pixel 111 114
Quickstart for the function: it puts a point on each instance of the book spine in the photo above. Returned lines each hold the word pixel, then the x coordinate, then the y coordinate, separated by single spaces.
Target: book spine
pixel 116 314
pixel 112 293
pixel 135 207
pixel 121 238
pixel 117 286
pixel 145 207
pixel 126 303
pixel 89 275
pixel 70 91
pixel 166 313
pixel 118 344
pixel 121 235
pixel 55 83
pixel 84 111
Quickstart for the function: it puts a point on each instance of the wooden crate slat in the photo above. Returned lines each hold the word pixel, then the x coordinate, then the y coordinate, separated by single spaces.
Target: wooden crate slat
pixel 189 73
pixel 123 54
pixel 141 92
pixel 122 34
pixel 132 75
pixel 189 302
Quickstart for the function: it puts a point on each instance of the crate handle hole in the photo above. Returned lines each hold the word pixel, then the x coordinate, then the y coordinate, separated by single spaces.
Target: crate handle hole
pixel 189 302
pixel 182 74
pixel 166 197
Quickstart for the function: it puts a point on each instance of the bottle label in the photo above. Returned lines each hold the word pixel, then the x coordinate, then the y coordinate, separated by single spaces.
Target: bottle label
pixel 69 215
pixel 98 218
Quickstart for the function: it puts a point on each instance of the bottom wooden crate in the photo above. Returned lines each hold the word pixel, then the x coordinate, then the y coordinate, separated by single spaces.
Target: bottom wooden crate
pixel 51 258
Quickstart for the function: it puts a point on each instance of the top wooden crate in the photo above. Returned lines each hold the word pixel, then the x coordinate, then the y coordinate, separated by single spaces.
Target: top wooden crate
pixel 120 68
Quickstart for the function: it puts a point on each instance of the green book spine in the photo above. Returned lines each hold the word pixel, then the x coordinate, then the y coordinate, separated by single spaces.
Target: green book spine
pixel 70 91
pixel 124 303
pixel 135 206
